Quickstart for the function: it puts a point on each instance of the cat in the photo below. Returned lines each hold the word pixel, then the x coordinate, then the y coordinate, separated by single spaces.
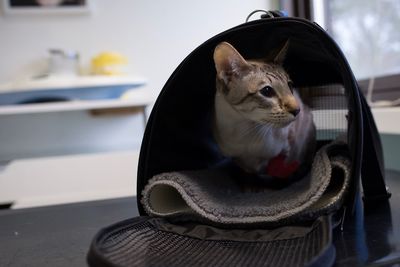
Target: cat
pixel 259 118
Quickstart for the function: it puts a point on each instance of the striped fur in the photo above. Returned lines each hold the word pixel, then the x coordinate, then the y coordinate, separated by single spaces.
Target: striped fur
pixel 253 128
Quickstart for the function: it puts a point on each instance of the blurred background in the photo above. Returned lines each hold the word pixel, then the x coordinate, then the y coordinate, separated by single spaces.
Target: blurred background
pixel 78 80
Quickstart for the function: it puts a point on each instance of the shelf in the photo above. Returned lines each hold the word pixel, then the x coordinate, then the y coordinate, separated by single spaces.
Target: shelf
pixel 137 98
pixel 54 83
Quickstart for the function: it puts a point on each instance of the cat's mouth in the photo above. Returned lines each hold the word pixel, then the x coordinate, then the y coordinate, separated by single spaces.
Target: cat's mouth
pixel 280 122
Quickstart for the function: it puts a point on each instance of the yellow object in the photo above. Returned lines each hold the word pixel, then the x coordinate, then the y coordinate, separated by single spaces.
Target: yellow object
pixel 108 63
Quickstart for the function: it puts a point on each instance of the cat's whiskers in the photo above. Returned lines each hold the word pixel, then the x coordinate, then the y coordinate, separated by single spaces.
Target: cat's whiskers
pixel 266 130
pixel 259 131
pixel 249 131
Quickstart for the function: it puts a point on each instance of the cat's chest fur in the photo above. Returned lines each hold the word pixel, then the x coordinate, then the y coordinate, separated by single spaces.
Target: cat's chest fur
pixel 250 143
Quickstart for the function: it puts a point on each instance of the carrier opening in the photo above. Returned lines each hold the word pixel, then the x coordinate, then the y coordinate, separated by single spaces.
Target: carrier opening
pixel 183 155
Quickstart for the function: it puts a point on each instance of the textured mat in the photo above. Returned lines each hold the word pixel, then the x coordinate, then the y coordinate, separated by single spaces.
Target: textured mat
pixel 213 196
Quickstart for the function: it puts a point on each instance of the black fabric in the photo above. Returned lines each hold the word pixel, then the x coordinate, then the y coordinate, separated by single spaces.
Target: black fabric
pixel 372 170
pixel 146 241
pixel 208 232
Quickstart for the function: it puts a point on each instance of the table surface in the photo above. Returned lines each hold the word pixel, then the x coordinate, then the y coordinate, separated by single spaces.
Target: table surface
pixel 61 235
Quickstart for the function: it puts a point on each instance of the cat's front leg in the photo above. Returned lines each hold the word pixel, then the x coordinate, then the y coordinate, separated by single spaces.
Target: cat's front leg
pixel 252 165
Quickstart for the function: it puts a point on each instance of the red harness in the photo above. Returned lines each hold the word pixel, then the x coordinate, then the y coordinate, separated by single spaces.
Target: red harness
pixel 277 167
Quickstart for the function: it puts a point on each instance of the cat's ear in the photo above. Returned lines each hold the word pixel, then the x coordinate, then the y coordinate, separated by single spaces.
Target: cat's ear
pixel 281 55
pixel 228 61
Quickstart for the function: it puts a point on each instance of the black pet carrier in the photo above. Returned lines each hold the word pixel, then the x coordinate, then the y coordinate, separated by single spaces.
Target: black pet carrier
pixel 192 213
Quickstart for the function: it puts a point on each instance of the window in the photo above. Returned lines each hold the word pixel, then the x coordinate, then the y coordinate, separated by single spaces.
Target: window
pixel 368 33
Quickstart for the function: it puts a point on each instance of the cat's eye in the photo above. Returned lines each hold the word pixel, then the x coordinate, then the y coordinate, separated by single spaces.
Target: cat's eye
pixel 267 91
pixel 290 84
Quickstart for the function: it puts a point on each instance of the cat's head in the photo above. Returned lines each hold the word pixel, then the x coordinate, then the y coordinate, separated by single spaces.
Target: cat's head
pixel 261 91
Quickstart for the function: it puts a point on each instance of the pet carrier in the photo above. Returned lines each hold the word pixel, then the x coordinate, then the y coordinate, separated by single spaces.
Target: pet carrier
pixel 192 213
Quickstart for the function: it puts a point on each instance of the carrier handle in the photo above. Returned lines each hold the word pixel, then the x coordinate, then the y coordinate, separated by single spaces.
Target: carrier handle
pixel 372 168
pixel 267 14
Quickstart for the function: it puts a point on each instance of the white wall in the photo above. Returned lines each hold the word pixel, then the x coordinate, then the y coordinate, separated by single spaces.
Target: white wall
pixel 155 35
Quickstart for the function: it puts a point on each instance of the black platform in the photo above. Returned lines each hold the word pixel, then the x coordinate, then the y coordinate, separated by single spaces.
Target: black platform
pixel 61 235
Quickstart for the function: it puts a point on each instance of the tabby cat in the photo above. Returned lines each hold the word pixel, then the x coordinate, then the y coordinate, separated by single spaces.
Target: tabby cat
pixel 260 119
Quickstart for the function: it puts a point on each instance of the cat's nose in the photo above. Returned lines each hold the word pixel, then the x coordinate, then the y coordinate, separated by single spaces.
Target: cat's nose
pixel 295 111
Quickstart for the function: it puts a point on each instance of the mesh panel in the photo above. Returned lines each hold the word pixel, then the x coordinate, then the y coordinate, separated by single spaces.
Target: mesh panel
pixel 329 107
pixel 141 244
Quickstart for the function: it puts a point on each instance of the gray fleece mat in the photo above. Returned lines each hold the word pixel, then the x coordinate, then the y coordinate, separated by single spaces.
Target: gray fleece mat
pixel 211 195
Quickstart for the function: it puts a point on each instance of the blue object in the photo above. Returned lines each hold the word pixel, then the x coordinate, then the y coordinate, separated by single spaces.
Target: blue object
pixel 81 93
pixel 284 13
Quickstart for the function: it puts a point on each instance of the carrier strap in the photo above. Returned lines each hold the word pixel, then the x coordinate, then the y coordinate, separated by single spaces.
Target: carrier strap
pixel 267 14
pixel 372 169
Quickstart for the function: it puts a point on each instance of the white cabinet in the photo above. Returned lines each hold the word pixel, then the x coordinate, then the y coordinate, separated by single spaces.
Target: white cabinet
pixel 67 179
pixel 73 151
